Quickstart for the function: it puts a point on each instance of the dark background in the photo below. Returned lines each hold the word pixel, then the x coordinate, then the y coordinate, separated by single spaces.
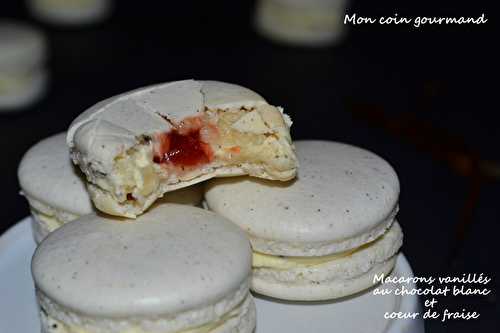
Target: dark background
pixel 417 97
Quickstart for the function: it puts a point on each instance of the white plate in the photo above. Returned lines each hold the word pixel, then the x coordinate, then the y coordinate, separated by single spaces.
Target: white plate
pixel 362 313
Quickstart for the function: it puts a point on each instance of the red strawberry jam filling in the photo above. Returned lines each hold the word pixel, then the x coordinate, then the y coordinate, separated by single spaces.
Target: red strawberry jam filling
pixel 184 146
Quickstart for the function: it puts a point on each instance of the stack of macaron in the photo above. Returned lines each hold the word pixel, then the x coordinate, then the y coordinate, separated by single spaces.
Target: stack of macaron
pixel 123 247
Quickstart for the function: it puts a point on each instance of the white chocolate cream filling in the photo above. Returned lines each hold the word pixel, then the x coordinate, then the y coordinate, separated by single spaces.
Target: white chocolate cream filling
pixel 11 82
pixel 261 260
pixel 226 315
pixel 73 4
pixel 235 141
pixel 43 224
pixel 46 218
pixel 345 265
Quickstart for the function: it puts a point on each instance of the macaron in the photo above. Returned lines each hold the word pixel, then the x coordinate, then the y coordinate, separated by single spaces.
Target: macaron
pixel 176 269
pixel 137 146
pixel 55 188
pixel 301 22
pixel 70 12
pixel 23 76
pixel 326 234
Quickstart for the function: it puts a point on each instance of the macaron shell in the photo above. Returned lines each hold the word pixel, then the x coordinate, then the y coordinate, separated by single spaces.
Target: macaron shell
pixel 46 174
pixel 221 95
pixel 342 192
pixel 32 92
pixel 145 110
pixel 172 259
pixel 40 229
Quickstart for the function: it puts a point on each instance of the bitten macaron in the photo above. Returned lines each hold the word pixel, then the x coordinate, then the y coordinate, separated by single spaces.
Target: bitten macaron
pixel 56 190
pixel 141 144
pixel 324 235
pixel 175 269
pixel 23 76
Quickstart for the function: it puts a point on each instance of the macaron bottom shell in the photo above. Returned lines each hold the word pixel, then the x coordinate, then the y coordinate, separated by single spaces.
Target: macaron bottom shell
pixel 47 218
pixel 334 279
pixel 320 291
pixel 242 319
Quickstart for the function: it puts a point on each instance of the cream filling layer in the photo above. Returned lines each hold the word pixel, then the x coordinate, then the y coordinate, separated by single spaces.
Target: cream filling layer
pixel 54 216
pixel 344 266
pixel 50 223
pixel 261 260
pixel 10 82
pixel 47 218
pixel 52 325
pixel 73 4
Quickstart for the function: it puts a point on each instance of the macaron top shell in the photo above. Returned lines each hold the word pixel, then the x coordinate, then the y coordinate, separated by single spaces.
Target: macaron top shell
pixel 342 193
pixel 172 259
pixel 113 125
pixel 46 174
pixel 23 46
